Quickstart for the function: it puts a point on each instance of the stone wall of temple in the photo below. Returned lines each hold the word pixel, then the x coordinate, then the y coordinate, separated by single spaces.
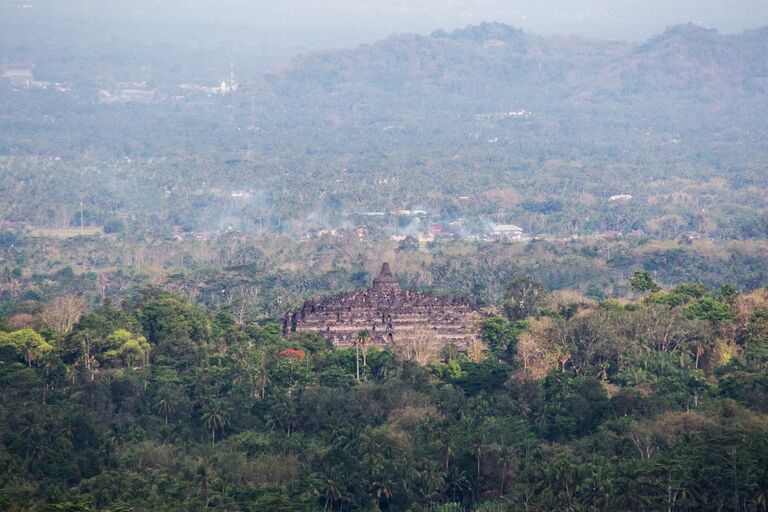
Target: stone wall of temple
pixel 390 314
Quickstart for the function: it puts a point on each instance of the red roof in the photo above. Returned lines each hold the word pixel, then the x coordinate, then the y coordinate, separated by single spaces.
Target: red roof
pixel 292 352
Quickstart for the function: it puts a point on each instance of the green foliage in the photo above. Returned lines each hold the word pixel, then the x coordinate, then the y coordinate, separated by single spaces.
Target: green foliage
pixel 710 309
pixel 574 406
pixel 447 371
pixel 408 244
pixel 493 507
pixel 448 507
pixel 177 329
pixel 500 336
pixel 487 375
pixel 27 343
pixel 695 291
pixel 311 342
pixel 596 293
pixel 525 297
pixel 107 318
pixel 114 225
pixel 680 295
pixel 128 347
pixel 642 282
pixel 754 355
pixel 247 424
pixel 728 293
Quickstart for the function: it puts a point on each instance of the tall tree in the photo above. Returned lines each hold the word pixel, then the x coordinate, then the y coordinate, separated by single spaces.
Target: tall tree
pixel 27 343
pixel 215 419
pixel 642 282
pixel 524 297
pixel 63 313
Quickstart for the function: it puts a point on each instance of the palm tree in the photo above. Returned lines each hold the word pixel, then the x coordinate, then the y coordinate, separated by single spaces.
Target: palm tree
pixel 324 485
pixel 261 380
pixel 331 492
pixel 214 419
pixel 165 407
pixel 361 340
pixel 458 482
pixel 357 359
pixel 31 431
pixel 365 338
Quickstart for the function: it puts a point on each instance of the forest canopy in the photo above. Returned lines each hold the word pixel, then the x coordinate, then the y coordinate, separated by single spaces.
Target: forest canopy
pixel 161 404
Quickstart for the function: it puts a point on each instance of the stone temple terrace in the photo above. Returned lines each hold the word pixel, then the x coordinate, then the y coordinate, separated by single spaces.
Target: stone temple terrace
pixel 390 314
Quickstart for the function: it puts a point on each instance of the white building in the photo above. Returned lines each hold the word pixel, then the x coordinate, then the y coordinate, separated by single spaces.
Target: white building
pixel 506 232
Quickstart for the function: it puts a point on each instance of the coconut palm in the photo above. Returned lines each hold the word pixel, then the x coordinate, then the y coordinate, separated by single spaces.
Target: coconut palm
pixel 214 419
pixel 361 340
pixel 165 407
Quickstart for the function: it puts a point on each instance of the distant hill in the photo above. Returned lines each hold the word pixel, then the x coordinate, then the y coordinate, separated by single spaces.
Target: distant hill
pixel 687 56
pixel 490 107
pixel 493 62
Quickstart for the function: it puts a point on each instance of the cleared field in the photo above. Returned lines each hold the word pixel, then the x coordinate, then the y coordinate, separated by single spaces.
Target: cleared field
pixel 67 232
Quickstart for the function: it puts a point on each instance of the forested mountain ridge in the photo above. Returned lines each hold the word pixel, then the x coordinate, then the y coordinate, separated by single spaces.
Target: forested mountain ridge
pixel 689 55
pixel 495 57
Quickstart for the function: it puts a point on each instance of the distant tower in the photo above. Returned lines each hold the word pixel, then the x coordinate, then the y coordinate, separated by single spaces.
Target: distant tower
pixel 385 282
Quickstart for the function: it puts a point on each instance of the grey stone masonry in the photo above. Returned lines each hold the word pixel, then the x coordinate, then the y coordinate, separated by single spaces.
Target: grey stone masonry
pixel 390 314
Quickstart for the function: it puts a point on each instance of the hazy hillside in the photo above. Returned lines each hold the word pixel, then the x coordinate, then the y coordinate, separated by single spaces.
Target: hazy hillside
pixel 678 122
pixel 536 114
pixel 498 59
pixel 704 92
